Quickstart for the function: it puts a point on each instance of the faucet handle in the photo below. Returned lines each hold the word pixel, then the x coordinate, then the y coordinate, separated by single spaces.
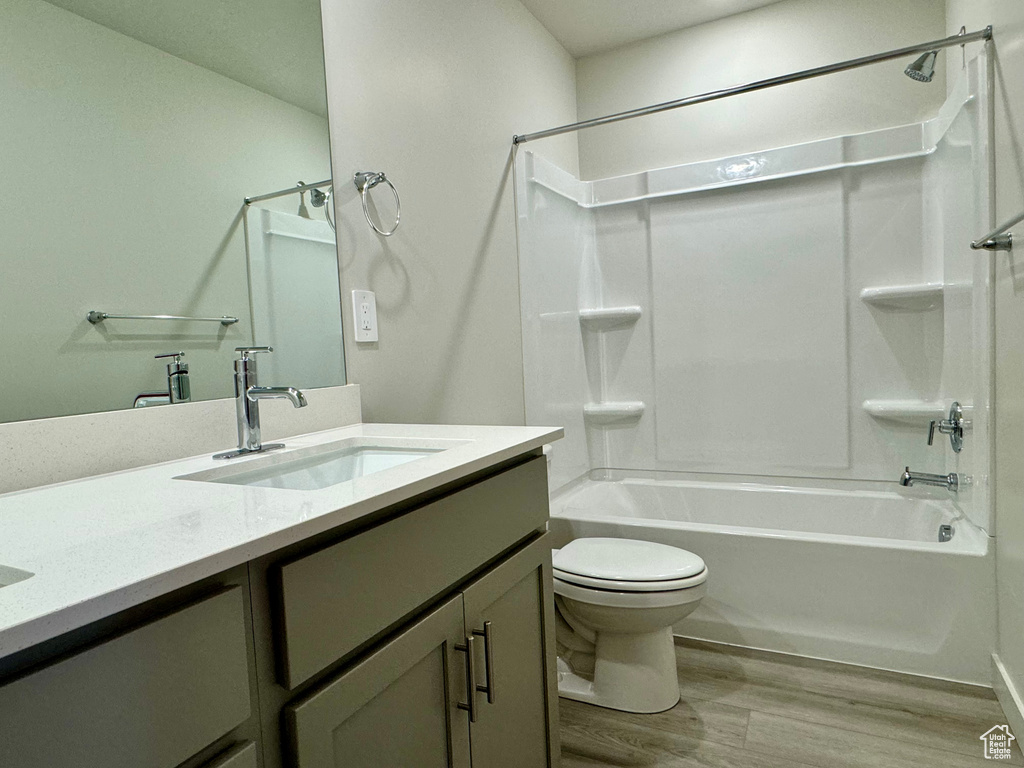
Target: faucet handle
pixel 244 352
pixel 952 426
pixel 176 355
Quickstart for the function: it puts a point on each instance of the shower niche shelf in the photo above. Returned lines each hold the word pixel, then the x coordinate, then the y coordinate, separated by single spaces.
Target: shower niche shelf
pixel 912 296
pixel 607 318
pixel 613 413
pixel 913 412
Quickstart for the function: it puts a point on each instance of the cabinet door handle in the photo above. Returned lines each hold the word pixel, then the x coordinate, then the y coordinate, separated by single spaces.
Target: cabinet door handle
pixel 488 661
pixel 471 687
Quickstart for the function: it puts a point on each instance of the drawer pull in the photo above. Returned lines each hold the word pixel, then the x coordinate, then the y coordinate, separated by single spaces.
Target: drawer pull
pixel 471 687
pixel 488 661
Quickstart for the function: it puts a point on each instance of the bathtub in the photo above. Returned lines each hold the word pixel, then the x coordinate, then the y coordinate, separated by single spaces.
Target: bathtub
pixel 850 573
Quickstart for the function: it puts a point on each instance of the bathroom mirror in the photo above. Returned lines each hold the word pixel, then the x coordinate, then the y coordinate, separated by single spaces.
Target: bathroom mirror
pixel 131 135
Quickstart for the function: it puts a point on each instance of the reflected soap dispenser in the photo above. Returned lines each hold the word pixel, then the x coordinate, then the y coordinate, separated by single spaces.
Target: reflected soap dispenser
pixel 178 385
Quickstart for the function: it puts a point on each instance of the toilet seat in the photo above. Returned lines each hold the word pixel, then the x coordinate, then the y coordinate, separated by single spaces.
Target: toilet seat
pixel 627 565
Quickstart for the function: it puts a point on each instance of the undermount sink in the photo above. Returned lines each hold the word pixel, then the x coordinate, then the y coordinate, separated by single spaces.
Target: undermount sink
pixel 10 576
pixel 311 469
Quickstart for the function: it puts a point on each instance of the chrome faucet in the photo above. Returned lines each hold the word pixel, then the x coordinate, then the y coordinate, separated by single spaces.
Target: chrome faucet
pixel 247 403
pixel 179 390
pixel 178 387
pixel 950 482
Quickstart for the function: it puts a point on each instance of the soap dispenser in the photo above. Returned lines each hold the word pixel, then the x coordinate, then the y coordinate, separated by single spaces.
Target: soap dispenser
pixel 178 386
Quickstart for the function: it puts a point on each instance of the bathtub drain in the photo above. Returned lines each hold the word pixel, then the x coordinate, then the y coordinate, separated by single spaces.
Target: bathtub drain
pixel 945 533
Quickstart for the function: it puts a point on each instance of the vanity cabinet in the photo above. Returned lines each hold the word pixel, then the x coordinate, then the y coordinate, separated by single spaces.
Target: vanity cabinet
pixel 420 699
pixel 420 636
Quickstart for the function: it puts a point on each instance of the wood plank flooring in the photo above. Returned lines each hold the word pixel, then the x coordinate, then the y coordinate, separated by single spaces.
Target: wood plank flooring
pixel 753 709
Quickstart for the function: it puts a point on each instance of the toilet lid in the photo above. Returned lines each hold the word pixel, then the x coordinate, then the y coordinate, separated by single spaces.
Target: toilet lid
pixel 626 560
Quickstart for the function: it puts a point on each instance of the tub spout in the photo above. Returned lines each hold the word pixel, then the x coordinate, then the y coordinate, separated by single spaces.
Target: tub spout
pixel 950 482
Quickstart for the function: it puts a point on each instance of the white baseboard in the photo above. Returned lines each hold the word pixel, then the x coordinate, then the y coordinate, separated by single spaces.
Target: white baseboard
pixel 1009 697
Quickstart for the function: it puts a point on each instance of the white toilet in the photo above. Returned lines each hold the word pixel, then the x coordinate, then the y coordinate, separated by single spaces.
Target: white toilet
pixel 617 600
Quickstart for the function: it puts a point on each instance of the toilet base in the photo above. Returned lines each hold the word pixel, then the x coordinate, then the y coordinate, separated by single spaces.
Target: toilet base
pixel 632 673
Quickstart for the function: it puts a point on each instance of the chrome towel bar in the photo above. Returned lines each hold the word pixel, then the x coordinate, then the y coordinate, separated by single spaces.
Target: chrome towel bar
pixel 98 317
pixel 998 239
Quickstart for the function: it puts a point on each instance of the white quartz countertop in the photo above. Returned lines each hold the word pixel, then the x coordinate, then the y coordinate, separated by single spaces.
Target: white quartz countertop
pixel 103 544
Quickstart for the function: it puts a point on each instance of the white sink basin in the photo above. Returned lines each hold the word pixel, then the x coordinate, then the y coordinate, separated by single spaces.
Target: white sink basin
pixel 10 576
pixel 322 466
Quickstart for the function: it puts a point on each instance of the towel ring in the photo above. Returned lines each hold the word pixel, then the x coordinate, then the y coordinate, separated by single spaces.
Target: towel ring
pixel 367 180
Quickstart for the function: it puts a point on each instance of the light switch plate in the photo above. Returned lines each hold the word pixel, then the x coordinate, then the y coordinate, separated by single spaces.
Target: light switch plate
pixel 364 315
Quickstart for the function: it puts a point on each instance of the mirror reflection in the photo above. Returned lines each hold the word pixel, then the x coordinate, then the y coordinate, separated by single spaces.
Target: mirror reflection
pixel 133 134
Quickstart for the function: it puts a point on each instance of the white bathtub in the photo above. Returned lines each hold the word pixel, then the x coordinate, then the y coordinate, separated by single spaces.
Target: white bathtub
pixel 828 571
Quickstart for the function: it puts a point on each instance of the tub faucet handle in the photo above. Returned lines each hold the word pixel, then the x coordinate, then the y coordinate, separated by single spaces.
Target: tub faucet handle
pixel 952 426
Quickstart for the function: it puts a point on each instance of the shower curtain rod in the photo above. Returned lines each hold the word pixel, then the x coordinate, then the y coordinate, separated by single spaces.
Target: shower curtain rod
pixel 758 85
pixel 289 191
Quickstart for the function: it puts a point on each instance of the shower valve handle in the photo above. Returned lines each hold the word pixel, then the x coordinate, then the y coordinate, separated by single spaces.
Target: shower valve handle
pixel 952 426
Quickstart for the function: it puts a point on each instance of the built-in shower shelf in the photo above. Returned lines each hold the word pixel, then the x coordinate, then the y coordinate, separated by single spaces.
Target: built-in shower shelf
pixel 611 413
pixel 910 296
pixel 609 317
pixel 914 412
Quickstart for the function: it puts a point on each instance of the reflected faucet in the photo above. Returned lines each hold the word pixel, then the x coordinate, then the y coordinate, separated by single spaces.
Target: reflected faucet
pixel 950 482
pixel 247 404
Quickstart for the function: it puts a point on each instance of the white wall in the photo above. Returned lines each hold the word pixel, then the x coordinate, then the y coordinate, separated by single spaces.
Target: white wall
pixel 432 93
pixel 1007 16
pixel 124 169
pixel 788 36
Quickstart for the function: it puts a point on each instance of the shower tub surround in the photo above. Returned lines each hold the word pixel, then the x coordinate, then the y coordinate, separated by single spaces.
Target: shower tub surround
pixel 794 317
pixel 841 571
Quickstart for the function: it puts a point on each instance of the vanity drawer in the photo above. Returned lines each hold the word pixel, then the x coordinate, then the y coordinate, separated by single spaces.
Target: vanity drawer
pixel 152 697
pixel 338 598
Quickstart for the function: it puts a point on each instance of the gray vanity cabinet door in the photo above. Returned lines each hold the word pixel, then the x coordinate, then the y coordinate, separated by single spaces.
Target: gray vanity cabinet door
pixel 397 708
pixel 517 720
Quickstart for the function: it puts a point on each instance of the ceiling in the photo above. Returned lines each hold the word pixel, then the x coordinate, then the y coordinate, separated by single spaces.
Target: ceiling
pixel 584 27
pixel 275 47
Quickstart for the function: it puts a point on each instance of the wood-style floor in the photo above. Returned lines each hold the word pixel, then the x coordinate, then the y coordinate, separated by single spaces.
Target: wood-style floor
pixel 752 709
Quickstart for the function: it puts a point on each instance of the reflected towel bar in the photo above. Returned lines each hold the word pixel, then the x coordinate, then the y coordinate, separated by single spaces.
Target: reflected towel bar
pixel 98 317
pixel 998 239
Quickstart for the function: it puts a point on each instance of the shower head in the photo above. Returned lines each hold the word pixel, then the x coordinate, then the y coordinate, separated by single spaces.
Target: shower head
pixel 321 199
pixel 923 69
